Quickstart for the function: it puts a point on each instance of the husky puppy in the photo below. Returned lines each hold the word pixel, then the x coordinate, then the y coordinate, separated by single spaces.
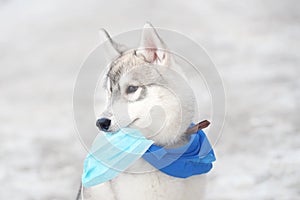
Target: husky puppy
pixel 138 81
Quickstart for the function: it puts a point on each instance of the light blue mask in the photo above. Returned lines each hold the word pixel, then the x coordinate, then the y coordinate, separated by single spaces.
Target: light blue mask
pixel 113 153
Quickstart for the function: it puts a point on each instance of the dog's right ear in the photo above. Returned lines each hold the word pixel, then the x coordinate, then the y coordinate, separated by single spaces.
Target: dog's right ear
pixel 111 48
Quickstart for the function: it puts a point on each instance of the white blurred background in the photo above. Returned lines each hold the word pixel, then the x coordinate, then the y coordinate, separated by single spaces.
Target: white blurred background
pixel 254 44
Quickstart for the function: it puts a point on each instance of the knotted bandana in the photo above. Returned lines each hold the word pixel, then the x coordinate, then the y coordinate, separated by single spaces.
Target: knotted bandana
pixel 194 158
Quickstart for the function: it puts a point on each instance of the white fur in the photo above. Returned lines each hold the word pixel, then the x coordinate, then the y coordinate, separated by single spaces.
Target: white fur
pixel 148 186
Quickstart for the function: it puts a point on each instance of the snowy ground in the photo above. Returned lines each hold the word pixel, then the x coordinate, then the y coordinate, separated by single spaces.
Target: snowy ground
pixel 255 45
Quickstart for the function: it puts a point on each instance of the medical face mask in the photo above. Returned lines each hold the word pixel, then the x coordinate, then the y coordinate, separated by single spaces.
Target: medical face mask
pixel 113 153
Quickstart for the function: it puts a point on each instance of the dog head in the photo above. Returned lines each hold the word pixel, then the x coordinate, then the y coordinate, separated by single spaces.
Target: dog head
pixel 145 92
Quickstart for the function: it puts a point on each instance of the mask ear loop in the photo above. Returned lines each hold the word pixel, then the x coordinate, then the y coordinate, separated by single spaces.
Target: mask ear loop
pixel 81 191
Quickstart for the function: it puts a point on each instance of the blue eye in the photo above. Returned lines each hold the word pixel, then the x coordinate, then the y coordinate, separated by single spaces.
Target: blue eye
pixel 131 89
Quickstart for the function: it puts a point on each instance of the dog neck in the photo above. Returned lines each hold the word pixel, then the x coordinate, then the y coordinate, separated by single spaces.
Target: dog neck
pixel 172 136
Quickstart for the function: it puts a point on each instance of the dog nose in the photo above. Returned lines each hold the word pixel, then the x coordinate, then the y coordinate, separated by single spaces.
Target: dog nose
pixel 103 124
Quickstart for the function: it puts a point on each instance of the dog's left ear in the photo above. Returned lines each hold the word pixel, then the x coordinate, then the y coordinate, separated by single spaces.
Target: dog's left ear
pixel 152 48
pixel 112 48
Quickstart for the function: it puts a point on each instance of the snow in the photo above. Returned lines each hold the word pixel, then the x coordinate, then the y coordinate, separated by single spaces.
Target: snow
pixel 254 44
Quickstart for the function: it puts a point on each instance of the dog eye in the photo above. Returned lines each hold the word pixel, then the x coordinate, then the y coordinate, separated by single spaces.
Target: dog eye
pixel 131 89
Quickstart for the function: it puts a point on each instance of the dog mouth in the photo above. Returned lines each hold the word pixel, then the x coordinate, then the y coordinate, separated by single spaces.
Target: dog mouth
pixel 131 123
pixel 118 127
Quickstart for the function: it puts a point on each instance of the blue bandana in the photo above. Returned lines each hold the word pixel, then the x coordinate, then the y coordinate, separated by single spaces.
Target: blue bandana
pixel 194 158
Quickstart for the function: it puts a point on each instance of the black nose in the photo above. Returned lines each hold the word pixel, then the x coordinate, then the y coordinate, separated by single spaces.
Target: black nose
pixel 103 124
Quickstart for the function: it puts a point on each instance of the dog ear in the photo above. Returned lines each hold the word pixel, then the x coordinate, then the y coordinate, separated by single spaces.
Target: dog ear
pixel 111 48
pixel 152 48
